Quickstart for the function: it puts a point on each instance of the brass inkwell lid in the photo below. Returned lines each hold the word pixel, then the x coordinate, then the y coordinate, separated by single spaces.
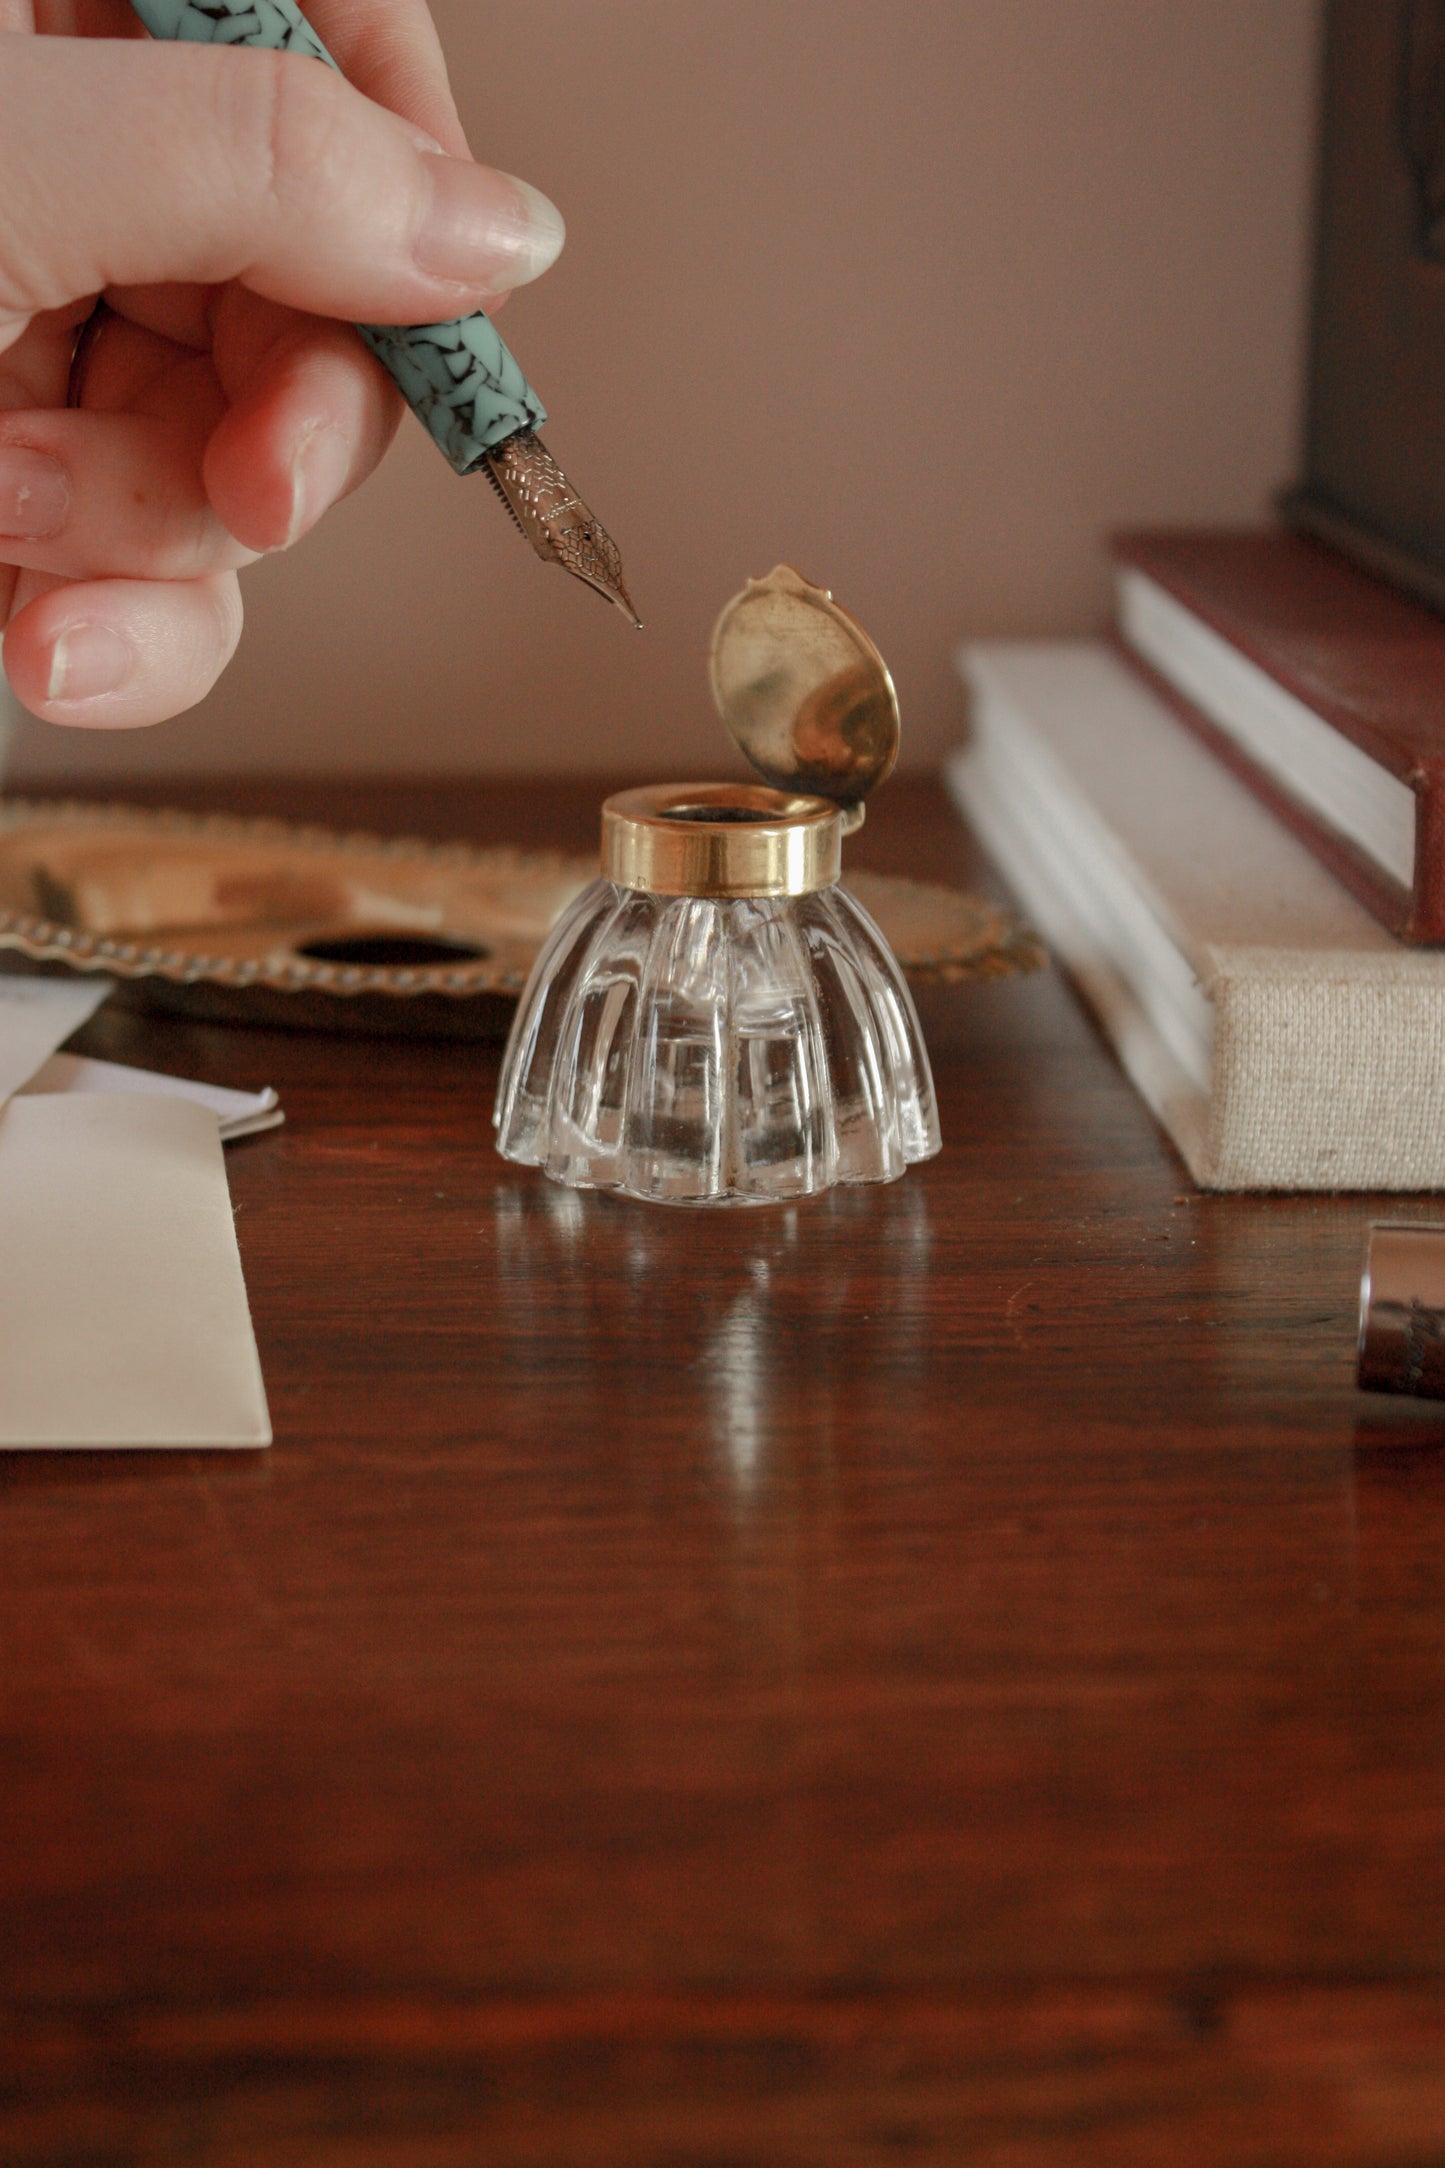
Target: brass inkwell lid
pixel 808 701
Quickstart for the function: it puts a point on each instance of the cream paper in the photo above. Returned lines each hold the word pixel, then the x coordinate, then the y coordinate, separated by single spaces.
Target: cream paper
pixel 35 1016
pixel 241 1114
pixel 123 1313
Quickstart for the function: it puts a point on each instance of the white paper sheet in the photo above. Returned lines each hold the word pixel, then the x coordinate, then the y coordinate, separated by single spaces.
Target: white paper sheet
pixel 35 1016
pixel 123 1313
pixel 240 1114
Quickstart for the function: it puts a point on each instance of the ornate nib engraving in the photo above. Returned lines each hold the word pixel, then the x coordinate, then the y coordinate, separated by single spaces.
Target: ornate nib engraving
pixel 553 517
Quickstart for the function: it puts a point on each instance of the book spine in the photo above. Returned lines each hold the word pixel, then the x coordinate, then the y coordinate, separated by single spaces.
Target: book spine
pixel 1427 918
pixel 1326 1083
pixel 1416 915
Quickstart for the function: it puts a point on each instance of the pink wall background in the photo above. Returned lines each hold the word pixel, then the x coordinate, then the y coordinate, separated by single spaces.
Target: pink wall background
pixel 920 295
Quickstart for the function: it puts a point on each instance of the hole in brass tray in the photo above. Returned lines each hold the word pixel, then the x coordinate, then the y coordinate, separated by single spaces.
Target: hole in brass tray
pixel 734 816
pixel 389 948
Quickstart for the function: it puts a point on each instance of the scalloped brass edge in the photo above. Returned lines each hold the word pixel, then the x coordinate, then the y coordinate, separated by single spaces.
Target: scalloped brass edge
pixel 42 940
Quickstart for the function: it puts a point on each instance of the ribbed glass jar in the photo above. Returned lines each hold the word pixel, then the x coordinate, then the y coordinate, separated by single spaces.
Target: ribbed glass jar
pixel 699 1050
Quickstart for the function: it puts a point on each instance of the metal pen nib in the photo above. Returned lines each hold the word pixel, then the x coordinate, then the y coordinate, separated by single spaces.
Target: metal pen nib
pixel 553 517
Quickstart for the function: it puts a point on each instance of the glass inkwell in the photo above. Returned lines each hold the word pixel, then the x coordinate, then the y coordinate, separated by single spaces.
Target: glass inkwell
pixel 717 1021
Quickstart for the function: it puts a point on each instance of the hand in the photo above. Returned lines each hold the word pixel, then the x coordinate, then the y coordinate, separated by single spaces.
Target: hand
pixel 237 210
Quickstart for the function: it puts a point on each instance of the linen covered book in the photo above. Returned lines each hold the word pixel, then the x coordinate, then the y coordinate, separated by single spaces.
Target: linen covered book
pixel 1322 686
pixel 1280 1035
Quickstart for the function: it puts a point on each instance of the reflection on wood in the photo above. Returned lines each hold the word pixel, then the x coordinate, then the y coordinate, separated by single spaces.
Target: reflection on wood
pixel 946 1673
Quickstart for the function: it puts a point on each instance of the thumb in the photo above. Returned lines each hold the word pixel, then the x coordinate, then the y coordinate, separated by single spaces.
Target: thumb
pixel 134 164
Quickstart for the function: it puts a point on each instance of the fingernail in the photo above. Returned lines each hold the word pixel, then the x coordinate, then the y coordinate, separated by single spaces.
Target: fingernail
pixel 319 473
pixel 34 493
pixel 485 228
pixel 88 660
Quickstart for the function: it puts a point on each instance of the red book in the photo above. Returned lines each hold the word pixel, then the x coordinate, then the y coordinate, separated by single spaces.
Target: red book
pixel 1318 684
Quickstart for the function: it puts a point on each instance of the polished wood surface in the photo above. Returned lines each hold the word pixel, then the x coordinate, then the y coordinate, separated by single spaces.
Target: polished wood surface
pixel 947 1673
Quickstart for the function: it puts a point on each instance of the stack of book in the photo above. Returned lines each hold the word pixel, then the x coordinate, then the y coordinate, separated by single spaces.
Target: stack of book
pixel 1229 821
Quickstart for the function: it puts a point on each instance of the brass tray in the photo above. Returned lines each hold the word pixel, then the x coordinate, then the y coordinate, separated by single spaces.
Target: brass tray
pixel 252 921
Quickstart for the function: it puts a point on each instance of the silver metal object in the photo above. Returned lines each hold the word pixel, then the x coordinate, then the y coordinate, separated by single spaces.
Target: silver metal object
pixel 1402 1311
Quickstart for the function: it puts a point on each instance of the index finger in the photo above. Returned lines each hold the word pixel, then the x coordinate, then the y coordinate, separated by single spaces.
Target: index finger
pixel 388 48
pixel 203 164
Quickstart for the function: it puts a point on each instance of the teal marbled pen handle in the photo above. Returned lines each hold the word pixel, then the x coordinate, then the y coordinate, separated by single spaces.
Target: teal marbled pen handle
pixel 458 378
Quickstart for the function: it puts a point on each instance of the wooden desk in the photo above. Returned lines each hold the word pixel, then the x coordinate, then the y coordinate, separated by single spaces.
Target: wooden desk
pixel 944 1674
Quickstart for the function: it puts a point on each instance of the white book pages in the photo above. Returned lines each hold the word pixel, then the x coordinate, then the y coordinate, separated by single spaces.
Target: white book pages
pixel 1325 771
pixel 1216 865
pixel 1284 1038
pixel 1139 984
pixel 123 1313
